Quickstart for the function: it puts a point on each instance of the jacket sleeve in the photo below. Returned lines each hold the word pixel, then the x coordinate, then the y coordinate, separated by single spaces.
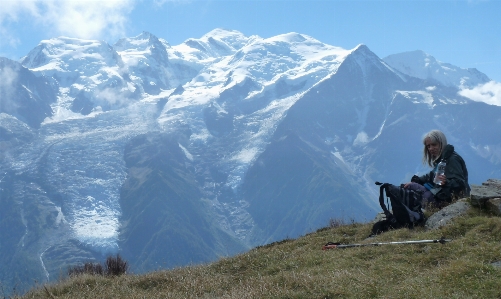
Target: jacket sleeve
pixel 422 179
pixel 456 178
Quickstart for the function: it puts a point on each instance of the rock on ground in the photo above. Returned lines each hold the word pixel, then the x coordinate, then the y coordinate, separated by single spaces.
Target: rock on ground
pixel 480 194
pixel 447 214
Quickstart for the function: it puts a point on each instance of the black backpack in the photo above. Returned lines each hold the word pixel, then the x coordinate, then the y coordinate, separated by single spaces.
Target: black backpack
pixel 405 205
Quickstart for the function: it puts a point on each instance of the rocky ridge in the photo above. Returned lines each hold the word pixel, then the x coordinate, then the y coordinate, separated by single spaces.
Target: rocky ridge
pixel 487 195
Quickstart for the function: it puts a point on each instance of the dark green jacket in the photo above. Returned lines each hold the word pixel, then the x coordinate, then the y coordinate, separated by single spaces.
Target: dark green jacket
pixel 455 172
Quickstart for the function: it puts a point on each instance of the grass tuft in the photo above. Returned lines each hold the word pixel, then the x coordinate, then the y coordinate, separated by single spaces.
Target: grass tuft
pixel 116 266
pixel 113 266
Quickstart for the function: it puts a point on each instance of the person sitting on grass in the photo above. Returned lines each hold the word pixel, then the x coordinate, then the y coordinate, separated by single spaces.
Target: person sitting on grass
pixel 453 183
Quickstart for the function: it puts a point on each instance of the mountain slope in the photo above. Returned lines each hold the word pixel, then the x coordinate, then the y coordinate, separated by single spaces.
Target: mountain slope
pixel 465 267
pixel 216 145
pixel 23 95
pixel 163 211
pixel 310 181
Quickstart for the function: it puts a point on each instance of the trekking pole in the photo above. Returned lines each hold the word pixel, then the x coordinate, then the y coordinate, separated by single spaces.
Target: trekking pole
pixel 331 245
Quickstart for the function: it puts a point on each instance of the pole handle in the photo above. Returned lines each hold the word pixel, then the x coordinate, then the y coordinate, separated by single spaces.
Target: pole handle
pixel 330 245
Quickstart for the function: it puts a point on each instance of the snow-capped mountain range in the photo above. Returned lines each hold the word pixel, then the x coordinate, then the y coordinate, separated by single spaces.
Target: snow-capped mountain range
pixel 215 145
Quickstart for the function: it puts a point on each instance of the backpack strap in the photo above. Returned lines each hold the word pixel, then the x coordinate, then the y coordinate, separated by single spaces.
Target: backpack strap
pixel 381 198
pixel 389 216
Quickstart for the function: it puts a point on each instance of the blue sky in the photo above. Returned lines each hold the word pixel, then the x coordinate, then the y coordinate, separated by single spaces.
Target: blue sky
pixel 465 33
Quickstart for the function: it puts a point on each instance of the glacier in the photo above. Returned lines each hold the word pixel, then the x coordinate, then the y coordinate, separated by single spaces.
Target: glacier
pixel 227 116
pixel 83 159
pixel 83 150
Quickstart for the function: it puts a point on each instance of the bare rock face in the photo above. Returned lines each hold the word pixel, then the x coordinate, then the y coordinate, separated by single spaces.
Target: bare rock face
pixel 494 205
pixel 487 195
pixel 480 194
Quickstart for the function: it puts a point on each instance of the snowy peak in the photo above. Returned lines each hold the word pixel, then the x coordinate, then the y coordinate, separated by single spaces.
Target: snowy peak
pixel 210 47
pixel 89 73
pixel 231 38
pixel 49 54
pixel 289 56
pixel 37 57
pixel 364 54
pixel 143 46
pixel 213 45
pixel 292 37
pixel 148 62
pixel 424 66
pixel 363 50
pixel 364 60
pixel 143 42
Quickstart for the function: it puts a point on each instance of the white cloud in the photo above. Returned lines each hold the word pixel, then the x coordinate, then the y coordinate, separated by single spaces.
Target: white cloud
pixel 10 10
pixel 8 77
pixel 90 19
pixel 362 139
pixel 7 38
pixel 489 93
pixel 9 13
pixel 111 96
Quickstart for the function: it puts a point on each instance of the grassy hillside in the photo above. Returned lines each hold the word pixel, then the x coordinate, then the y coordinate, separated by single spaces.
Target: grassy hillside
pixel 300 269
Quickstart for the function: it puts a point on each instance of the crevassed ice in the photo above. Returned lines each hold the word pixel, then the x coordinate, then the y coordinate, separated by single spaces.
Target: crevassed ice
pixel 84 159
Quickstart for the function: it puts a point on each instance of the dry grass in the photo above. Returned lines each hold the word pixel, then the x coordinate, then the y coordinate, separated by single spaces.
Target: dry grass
pixel 300 269
pixel 114 266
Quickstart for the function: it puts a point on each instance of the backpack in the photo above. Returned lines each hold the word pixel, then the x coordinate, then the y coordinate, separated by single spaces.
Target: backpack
pixel 405 205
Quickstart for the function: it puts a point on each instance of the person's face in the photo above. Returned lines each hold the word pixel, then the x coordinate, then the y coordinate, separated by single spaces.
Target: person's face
pixel 433 147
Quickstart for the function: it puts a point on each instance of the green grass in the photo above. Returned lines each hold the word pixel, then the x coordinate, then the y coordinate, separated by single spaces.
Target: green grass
pixel 300 269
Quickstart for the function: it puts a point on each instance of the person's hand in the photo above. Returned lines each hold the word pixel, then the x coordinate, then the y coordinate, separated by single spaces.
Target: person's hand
pixel 406 185
pixel 442 179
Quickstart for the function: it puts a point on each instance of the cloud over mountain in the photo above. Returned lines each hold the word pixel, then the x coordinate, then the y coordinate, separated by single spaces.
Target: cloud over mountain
pixel 489 93
pixel 83 18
